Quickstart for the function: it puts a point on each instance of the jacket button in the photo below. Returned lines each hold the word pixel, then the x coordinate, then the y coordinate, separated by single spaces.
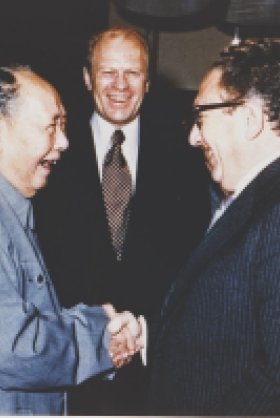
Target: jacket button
pixel 40 279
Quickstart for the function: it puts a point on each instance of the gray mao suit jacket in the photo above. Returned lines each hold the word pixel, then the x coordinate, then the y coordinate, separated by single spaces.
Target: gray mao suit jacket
pixel 43 348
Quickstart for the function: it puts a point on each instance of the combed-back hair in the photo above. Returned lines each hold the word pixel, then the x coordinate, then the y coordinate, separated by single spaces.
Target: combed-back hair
pixel 253 67
pixel 9 87
pixel 126 33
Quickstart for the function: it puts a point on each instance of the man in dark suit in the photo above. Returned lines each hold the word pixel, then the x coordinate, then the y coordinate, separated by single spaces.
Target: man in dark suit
pixel 217 348
pixel 168 209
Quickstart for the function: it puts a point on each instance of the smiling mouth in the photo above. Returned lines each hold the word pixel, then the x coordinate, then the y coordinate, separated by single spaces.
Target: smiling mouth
pixel 48 164
pixel 118 99
pixel 209 157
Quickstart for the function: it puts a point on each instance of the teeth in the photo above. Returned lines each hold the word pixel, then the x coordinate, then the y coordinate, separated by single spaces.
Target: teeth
pixel 119 99
pixel 48 162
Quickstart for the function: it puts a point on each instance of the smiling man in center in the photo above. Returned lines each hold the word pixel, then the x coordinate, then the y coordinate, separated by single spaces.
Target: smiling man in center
pixel 125 251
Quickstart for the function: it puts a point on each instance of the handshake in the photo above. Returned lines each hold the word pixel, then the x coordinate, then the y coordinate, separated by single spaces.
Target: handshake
pixel 127 335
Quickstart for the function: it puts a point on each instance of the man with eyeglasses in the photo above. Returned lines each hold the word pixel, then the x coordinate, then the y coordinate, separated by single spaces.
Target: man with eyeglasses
pixel 217 347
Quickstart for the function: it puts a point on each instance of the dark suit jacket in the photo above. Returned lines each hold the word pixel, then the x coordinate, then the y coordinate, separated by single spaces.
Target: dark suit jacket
pixel 217 350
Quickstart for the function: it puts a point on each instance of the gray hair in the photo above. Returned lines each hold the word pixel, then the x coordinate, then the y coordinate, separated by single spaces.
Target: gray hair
pixel 9 88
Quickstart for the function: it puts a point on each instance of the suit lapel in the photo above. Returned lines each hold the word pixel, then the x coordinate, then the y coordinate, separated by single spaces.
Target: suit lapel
pixel 141 196
pixel 96 214
pixel 140 176
pixel 89 159
pixel 261 194
pixel 226 228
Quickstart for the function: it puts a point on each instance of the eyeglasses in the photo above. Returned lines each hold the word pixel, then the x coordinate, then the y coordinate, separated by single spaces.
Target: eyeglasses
pixel 212 106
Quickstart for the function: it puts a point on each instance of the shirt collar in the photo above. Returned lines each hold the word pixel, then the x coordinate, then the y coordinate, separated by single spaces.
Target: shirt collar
pixel 103 141
pixel 252 174
pixel 20 204
pixel 102 132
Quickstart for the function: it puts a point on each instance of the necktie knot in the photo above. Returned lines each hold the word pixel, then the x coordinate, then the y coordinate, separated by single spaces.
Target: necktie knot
pixel 115 150
pixel 118 137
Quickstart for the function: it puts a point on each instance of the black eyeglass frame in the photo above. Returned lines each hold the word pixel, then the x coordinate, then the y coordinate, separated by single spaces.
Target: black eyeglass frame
pixel 197 109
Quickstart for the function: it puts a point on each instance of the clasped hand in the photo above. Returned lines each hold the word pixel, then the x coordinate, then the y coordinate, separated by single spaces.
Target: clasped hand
pixel 126 335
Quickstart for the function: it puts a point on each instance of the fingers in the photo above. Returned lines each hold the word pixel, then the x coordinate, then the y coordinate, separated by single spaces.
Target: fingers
pixel 122 320
pixel 120 349
pixel 125 330
pixel 110 310
pixel 132 325
pixel 126 335
pixel 121 360
pixel 127 341
pixel 123 342
pixel 141 338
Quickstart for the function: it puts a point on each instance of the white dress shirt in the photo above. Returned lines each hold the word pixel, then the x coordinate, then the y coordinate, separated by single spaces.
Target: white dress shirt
pixel 102 132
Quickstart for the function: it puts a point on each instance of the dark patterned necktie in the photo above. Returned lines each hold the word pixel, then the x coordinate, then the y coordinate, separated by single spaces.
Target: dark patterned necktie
pixel 117 190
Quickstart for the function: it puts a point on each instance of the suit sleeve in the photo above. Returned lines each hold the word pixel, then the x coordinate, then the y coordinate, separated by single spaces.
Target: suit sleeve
pixel 41 349
pixel 258 392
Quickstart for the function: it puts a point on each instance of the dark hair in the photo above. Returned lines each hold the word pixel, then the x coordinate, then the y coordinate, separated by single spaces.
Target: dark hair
pixel 117 32
pixel 9 88
pixel 253 66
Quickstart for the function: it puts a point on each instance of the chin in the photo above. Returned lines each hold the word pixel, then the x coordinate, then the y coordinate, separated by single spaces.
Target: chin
pixel 40 185
pixel 217 174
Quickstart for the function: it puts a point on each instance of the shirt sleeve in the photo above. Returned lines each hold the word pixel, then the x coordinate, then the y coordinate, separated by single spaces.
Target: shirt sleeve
pixel 43 349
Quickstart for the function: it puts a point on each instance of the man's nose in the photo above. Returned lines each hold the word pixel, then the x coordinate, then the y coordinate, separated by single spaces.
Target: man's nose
pixel 61 142
pixel 195 136
pixel 121 80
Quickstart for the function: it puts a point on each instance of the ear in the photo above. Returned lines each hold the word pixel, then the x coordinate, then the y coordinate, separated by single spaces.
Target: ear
pixel 255 118
pixel 87 79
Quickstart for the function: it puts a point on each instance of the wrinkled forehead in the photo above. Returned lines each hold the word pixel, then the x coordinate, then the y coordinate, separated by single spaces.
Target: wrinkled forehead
pixel 117 45
pixel 37 93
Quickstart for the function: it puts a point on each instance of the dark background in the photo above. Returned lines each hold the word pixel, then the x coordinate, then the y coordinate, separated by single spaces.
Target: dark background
pixel 50 35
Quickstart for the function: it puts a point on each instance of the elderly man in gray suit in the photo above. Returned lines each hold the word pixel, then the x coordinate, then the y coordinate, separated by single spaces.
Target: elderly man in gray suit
pixel 43 348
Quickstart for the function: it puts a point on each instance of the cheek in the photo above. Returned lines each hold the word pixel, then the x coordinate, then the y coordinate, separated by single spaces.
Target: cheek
pixel 222 155
pixel 43 147
pixel 227 157
pixel 138 92
pixel 215 157
pixel 100 88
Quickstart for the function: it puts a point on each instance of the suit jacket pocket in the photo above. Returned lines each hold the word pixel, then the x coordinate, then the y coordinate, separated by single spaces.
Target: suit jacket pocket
pixel 36 285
